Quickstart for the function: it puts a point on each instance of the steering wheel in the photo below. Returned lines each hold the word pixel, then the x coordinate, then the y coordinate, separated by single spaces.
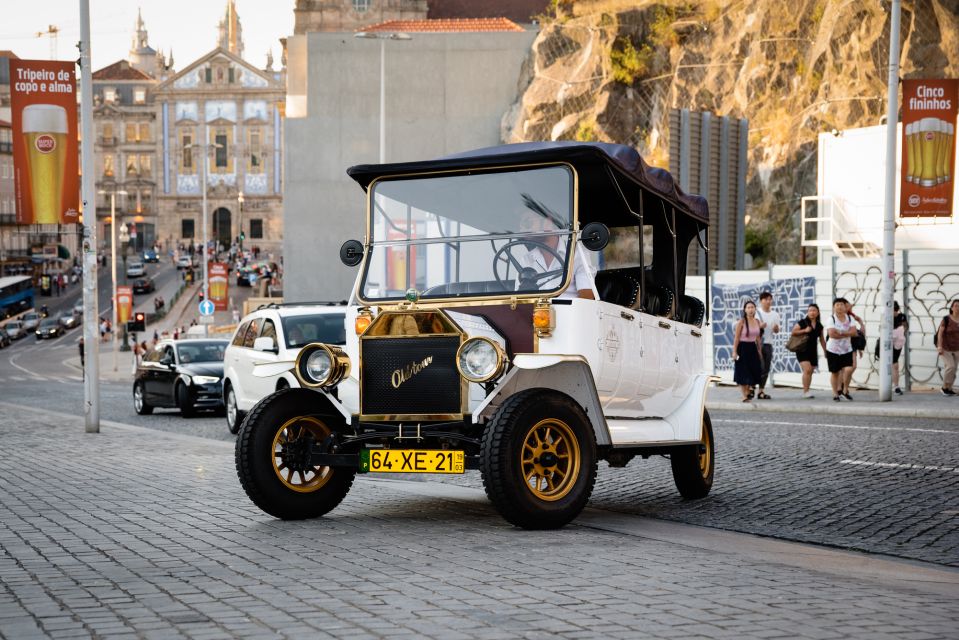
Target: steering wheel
pixel 529 278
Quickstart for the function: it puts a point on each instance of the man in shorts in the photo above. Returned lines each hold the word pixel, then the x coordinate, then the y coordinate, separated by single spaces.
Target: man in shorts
pixel 839 350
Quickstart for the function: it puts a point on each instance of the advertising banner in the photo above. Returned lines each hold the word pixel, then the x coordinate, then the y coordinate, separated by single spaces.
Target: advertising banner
pixel 791 299
pixel 43 100
pixel 929 110
pixel 124 304
pixel 219 285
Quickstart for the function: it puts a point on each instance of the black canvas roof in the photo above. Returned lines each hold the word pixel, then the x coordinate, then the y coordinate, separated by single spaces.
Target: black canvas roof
pixel 601 167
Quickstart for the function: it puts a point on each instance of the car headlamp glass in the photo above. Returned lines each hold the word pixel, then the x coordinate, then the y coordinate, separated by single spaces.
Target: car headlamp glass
pixel 205 379
pixel 480 360
pixel 321 365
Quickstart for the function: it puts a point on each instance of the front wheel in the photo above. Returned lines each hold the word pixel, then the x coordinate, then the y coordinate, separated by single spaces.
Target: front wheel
pixel 139 400
pixel 273 456
pixel 183 401
pixel 234 417
pixel 693 466
pixel 538 459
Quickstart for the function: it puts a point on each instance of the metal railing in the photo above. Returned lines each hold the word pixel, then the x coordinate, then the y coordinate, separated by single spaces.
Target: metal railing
pixel 833 228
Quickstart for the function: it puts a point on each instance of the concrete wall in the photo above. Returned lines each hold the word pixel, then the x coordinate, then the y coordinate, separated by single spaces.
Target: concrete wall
pixel 444 93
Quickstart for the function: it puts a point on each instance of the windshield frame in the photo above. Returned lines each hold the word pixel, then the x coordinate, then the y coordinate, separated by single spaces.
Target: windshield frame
pixel 489 298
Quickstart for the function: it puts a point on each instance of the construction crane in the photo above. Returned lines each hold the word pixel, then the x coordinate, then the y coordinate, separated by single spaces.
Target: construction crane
pixel 51 32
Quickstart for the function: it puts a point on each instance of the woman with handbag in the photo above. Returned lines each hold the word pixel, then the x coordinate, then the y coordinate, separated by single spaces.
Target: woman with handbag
pixel 804 341
pixel 899 328
pixel 747 350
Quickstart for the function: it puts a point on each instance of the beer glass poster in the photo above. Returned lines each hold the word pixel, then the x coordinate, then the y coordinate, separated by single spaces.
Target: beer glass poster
pixel 124 303
pixel 219 273
pixel 928 147
pixel 43 101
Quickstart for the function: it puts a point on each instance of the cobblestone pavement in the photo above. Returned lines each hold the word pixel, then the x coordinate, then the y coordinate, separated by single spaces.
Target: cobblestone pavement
pixel 134 533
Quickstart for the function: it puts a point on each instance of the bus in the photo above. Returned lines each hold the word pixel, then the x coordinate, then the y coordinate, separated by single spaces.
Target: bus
pixel 16 295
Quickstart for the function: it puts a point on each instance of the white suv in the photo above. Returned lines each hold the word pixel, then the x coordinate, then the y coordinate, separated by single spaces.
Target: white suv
pixel 273 334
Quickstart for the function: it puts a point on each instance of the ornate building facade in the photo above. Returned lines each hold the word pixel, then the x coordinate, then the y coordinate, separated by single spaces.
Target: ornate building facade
pixel 221 114
pixel 350 15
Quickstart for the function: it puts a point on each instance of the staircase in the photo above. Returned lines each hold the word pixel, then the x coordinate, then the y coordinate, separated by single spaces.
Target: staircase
pixel 825 223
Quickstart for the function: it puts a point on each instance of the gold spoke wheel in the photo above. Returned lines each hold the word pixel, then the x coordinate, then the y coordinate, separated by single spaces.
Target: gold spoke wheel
pixel 550 459
pixel 706 454
pixel 292 436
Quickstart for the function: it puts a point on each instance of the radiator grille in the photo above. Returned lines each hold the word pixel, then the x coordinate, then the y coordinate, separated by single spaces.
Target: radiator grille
pixel 431 389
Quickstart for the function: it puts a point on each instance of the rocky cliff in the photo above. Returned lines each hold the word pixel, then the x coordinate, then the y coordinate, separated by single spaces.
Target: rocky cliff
pixel 611 69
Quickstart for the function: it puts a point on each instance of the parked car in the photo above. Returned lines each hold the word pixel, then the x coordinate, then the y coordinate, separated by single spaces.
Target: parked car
pixel 5 340
pixel 49 328
pixel 184 262
pixel 271 334
pixel 136 269
pixel 245 277
pixel 482 339
pixel 149 255
pixel 30 320
pixel 69 319
pixel 78 308
pixel 143 285
pixel 181 374
pixel 15 329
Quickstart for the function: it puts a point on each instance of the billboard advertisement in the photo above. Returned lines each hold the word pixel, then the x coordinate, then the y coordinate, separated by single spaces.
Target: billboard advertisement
pixel 929 110
pixel 43 101
pixel 124 304
pixel 219 285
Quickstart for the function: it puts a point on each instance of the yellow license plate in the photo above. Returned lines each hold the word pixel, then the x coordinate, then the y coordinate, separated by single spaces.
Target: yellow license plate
pixel 411 461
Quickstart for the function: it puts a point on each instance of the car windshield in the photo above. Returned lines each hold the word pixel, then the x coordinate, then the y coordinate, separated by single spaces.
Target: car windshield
pixel 301 330
pixel 48 322
pixel 482 234
pixel 211 351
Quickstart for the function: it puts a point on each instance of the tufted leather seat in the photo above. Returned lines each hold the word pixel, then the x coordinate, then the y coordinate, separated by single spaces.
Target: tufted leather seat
pixel 690 310
pixel 617 286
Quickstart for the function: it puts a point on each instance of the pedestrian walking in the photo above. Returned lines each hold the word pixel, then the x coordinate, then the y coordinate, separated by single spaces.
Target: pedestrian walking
pixel 103 329
pixel 839 349
pixel 808 354
pixel 769 323
pixel 748 367
pixel 176 333
pixel 947 342
pixel 56 285
pixel 82 356
pixel 900 326
pixel 137 354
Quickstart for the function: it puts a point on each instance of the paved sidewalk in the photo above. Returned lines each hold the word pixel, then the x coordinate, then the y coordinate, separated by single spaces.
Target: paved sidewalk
pixel 917 404
pixel 143 534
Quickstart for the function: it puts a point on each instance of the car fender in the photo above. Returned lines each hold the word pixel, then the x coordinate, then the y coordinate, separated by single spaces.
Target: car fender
pixel 567 374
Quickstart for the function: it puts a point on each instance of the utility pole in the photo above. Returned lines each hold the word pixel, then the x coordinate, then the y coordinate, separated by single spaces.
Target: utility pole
pixel 206 153
pixel 889 212
pixel 51 32
pixel 91 343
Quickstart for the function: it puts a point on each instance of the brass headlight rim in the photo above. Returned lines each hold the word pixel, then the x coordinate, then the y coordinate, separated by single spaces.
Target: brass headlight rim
pixel 339 365
pixel 501 360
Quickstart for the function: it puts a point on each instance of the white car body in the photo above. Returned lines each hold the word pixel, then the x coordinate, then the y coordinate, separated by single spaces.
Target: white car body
pixel 136 269
pixel 184 262
pixel 14 329
pixel 242 358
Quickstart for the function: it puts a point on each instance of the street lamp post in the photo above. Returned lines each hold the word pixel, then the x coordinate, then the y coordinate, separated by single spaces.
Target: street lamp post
pixel 239 202
pixel 206 149
pixel 113 260
pixel 382 37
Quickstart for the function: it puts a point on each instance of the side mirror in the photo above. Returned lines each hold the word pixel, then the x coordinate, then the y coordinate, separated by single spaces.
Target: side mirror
pixel 351 253
pixel 166 361
pixel 265 344
pixel 595 236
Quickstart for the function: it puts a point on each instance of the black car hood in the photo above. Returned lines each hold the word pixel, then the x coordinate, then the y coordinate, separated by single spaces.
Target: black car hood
pixel 202 369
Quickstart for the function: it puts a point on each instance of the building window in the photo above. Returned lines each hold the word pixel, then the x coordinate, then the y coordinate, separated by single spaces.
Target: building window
pixel 133 168
pixel 146 166
pixel 256 228
pixel 186 159
pixel 361 6
pixel 109 94
pixel 131 132
pixel 144 132
pixel 108 165
pixel 139 95
pixel 230 75
pixel 255 164
pixel 186 228
pixel 108 132
pixel 222 161
pixel 209 75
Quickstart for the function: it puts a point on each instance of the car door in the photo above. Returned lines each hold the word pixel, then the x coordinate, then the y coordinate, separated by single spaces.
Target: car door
pixel 243 365
pixel 262 387
pixel 164 377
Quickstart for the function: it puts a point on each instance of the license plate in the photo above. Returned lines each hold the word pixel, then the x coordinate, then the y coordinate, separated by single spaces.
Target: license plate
pixel 410 461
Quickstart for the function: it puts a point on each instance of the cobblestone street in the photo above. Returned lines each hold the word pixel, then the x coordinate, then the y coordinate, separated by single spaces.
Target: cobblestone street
pixel 136 533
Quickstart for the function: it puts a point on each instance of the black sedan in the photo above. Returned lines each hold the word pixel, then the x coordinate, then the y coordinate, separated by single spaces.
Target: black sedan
pixel 49 328
pixel 181 374
pixel 143 285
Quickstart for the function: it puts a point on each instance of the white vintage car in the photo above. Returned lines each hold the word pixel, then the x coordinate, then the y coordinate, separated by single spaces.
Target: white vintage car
pixel 520 311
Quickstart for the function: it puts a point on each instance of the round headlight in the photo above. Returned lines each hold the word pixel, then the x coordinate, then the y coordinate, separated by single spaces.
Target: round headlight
pixel 480 360
pixel 318 366
pixel 321 365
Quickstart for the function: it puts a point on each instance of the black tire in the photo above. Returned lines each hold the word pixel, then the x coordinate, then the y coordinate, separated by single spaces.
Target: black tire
pixel 693 466
pixel 259 473
pixel 140 404
pixel 229 406
pixel 525 418
pixel 182 395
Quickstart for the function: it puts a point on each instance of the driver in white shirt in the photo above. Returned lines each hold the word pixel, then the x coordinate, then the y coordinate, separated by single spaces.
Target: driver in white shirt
pixel 542 261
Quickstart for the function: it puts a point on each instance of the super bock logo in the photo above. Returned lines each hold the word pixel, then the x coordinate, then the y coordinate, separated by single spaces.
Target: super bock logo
pixel 45 143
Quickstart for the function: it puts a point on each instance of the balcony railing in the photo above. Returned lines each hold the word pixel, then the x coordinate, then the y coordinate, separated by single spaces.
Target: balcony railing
pixel 108 141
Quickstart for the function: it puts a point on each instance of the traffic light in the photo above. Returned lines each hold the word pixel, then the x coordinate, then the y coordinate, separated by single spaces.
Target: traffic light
pixel 242 236
pixel 139 322
pixel 202 297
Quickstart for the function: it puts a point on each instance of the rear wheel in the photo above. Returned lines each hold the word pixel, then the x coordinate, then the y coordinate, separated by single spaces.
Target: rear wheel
pixel 234 417
pixel 538 459
pixel 139 400
pixel 693 466
pixel 272 456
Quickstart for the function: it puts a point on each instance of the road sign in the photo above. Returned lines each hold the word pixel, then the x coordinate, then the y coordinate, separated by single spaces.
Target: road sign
pixel 207 308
